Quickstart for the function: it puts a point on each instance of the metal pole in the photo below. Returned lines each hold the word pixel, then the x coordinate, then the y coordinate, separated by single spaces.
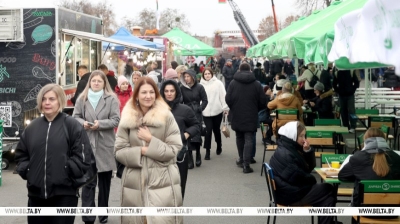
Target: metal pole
pixel 1 150
pixel 275 21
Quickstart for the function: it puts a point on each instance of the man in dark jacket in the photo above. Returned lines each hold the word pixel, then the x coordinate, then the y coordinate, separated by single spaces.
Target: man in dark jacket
pixel 288 69
pixel 186 120
pixel 391 79
pixel 259 74
pixel 110 76
pixel 345 83
pixel 325 77
pixel 129 68
pixel 266 66
pixel 228 73
pixel 277 66
pixel 84 75
pixel 221 62
pixel 245 97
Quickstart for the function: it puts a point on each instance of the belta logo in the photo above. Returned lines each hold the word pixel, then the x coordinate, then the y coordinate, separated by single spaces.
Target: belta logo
pixel 319 134
pixel 341 158
pixel 385 186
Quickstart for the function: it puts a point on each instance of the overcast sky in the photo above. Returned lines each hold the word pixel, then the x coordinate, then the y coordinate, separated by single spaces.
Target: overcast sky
pixel 205 16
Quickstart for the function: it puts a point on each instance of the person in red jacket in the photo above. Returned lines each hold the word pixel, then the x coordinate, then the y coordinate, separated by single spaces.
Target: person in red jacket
pixel 123 91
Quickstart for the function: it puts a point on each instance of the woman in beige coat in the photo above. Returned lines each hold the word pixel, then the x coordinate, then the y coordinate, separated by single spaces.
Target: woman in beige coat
pixel 148 141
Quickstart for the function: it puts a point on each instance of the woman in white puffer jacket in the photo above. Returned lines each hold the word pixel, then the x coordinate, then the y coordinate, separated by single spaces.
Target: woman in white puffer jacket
pixel 214 111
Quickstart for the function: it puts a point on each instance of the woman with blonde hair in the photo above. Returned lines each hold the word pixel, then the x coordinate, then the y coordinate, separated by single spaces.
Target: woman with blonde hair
pixel 148 142
pixel 97 109
pixel 376 161
pixel 48 159
pixel 134 77
pixel 180 69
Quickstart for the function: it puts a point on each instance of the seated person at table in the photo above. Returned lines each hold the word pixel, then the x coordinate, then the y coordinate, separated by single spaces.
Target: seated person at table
pixel 285 101
pixel 376 161
pixel 322 103
pixel 292 164
pixel 294 92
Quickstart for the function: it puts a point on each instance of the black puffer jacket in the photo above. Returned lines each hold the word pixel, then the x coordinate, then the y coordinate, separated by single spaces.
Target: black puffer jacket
pixel 323 105
pixel 292 171
pixel 228 72
pixel 360 165
pixel 345 83
pixel 391 79
pixel 184 115
pixel 245 97
pixel 260 76
pixel 196 98
pixel 81 86
pixel 46 160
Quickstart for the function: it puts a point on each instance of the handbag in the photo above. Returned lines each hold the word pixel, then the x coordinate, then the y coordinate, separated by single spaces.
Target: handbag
pixel 225 129
pixel 181 155
pixel 91 172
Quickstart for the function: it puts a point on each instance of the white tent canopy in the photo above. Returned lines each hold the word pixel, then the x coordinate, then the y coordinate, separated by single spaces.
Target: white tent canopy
pixel 369 35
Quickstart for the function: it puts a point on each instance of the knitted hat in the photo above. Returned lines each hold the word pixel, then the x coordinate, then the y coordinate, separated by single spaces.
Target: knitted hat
pixel 122 79
pixel 170 74
pixel 319 86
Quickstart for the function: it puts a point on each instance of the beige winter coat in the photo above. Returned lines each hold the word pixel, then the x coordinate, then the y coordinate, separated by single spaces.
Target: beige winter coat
pixel 285 101
pixel 151 180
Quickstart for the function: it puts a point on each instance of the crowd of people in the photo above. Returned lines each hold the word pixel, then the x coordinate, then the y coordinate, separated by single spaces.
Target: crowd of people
pixel 150 125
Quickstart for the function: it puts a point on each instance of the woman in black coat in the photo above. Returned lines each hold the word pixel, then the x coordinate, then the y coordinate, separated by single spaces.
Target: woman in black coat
pixel 186 120
pixel 376 161
pixel 322 103
pixel 194 95
pixel 292 164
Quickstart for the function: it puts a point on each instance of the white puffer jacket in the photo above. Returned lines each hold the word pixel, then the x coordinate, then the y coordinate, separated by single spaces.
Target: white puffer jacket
pixel 216 97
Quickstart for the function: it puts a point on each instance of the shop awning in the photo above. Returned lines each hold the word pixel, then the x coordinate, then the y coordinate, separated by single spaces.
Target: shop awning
pixel 98 37
pixel 124 35
pixel 188 45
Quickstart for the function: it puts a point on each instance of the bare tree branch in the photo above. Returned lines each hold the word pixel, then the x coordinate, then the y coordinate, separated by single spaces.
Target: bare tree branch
pixel 103 9
pixel 308 6
pixel 169 18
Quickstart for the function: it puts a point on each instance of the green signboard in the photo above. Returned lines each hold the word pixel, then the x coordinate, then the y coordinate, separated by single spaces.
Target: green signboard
pixel 287 111
pixel 319 134
pixel 1 149
pixel 381 186
pixel 333 157
pixel 381 119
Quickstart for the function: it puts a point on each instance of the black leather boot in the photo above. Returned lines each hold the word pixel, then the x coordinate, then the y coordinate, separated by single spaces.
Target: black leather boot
pixel 207 157
pixel 247 169
pixel 219 148
pixel 198 157
pixel 190 159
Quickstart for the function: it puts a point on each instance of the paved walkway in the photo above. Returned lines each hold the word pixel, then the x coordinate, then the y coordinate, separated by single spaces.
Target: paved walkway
pixel 218 182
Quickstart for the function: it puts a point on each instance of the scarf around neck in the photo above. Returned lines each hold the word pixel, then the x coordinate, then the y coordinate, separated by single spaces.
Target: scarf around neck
pixel 94 97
